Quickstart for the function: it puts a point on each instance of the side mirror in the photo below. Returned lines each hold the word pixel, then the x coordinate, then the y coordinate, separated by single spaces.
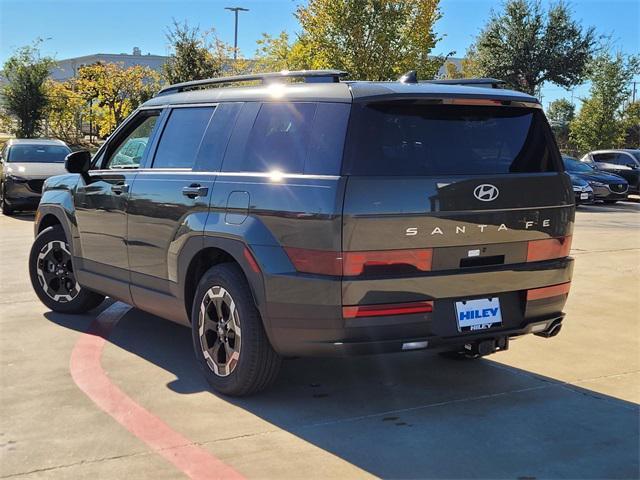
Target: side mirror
pixel 78 162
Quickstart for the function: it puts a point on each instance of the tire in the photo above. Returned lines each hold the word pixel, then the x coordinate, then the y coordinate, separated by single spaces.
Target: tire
pixel 6 209
pixel 230 344
pixel 52 275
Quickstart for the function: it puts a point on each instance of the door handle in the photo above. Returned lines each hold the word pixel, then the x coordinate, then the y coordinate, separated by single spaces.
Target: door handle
pixel 120 188
pixel 194 190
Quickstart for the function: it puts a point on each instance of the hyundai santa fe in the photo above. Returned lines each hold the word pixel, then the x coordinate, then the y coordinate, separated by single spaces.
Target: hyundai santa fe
pixel 297 213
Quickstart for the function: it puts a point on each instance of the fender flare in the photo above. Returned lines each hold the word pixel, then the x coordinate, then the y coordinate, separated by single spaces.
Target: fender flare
pixel 63 217
pixel 235 248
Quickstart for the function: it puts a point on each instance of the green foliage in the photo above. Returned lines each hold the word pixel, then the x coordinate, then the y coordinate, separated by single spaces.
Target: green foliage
pixel 195 55
pixel 560 114
pixel 600 123
pixel 631 122
pixel 116 90
pixel 278 53
pixel 526 46
pixel 370 39
pixel 24 97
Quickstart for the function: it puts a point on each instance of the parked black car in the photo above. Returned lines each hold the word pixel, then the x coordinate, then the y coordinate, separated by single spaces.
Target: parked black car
pixel 583 193
pixel 318 217
pixel 25 163
pixel 624 162
pixel 606 186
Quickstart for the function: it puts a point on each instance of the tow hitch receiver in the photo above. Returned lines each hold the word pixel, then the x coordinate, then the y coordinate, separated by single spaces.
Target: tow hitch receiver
pixel 486 347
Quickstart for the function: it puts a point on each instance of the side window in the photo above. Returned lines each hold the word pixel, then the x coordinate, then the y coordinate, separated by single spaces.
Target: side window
pixel 279 140
pixel 327 139
pixel 181 137
pixel 124 153
pixel 624 159
pixel 216 138
pixel 604 157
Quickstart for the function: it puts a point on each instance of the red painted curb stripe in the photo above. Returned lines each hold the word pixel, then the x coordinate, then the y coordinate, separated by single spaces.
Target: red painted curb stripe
pixel 86 370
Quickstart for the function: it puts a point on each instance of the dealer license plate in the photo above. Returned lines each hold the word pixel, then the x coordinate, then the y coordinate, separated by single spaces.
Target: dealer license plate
pixel 478 314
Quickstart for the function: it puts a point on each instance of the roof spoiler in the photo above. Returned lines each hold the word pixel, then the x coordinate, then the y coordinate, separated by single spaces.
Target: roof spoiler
pixel 412 77
pixel 309 76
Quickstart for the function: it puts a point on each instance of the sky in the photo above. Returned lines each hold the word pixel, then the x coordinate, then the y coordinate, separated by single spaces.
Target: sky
pixel 76 28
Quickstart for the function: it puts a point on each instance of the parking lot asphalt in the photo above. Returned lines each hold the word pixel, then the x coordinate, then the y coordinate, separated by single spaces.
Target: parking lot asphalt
pixel 75 405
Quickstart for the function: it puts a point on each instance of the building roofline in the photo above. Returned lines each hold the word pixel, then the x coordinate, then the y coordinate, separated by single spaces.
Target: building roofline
pixel 127 55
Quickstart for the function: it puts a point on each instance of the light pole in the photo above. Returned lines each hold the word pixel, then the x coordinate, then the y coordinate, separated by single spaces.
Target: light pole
pixel 235 10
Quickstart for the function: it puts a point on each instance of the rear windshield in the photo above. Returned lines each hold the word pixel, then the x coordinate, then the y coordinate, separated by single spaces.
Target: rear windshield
pixel 413 139
pixel 38 153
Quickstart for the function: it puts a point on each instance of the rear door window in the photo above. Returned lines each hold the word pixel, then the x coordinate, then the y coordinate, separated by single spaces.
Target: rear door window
pixel 624 159
pixel 181 137
pixel 438 140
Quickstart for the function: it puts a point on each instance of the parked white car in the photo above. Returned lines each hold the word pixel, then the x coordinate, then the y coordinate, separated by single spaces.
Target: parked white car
pixel 24 166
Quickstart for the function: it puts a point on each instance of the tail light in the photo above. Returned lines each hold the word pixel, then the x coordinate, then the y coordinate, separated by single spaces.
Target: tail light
pixel 357 311
pixel 548 292
pixel 548 249
pixel 321 262
pixel 354 263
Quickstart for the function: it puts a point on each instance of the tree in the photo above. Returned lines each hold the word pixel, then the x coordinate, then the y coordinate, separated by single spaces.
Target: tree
pixel 560 114
pixel 24 96
pixel 526 46
pixel 278 53
pixel 64 111
pixel 561 111
pixel 631 121
pixel 370 39
pixel 117 90
pixel 196 55
pixel 452 71
pixel 599 124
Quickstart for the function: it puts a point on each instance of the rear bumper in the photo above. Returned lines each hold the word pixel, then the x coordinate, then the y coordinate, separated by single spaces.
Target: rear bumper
pixel 376 343
pixel 304 314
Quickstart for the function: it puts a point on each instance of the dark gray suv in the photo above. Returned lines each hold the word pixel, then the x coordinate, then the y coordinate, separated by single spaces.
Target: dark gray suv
pixel 300 214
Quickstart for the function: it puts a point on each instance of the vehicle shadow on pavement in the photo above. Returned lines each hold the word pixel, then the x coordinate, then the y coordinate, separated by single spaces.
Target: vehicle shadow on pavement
pixel 416 415
pixel 24 216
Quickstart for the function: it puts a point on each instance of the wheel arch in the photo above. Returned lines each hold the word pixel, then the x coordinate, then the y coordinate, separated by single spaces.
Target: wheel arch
pixel 50 215
pixel 199 255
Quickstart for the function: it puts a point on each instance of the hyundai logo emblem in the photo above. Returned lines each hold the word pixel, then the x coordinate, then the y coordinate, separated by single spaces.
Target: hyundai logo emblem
pixel 486 192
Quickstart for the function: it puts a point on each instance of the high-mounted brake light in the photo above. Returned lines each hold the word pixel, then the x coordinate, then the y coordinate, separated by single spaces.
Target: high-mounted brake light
pixel 357 311
pixel 548 249
pixel 354 263
pixel 547 292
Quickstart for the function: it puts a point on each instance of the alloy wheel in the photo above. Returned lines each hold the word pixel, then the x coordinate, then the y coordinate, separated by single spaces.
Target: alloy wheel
pixel 55 272
pixel 219 331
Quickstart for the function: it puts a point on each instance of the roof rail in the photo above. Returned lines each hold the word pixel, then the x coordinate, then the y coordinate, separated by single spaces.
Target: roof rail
pixel 332 76
pixel 478 82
